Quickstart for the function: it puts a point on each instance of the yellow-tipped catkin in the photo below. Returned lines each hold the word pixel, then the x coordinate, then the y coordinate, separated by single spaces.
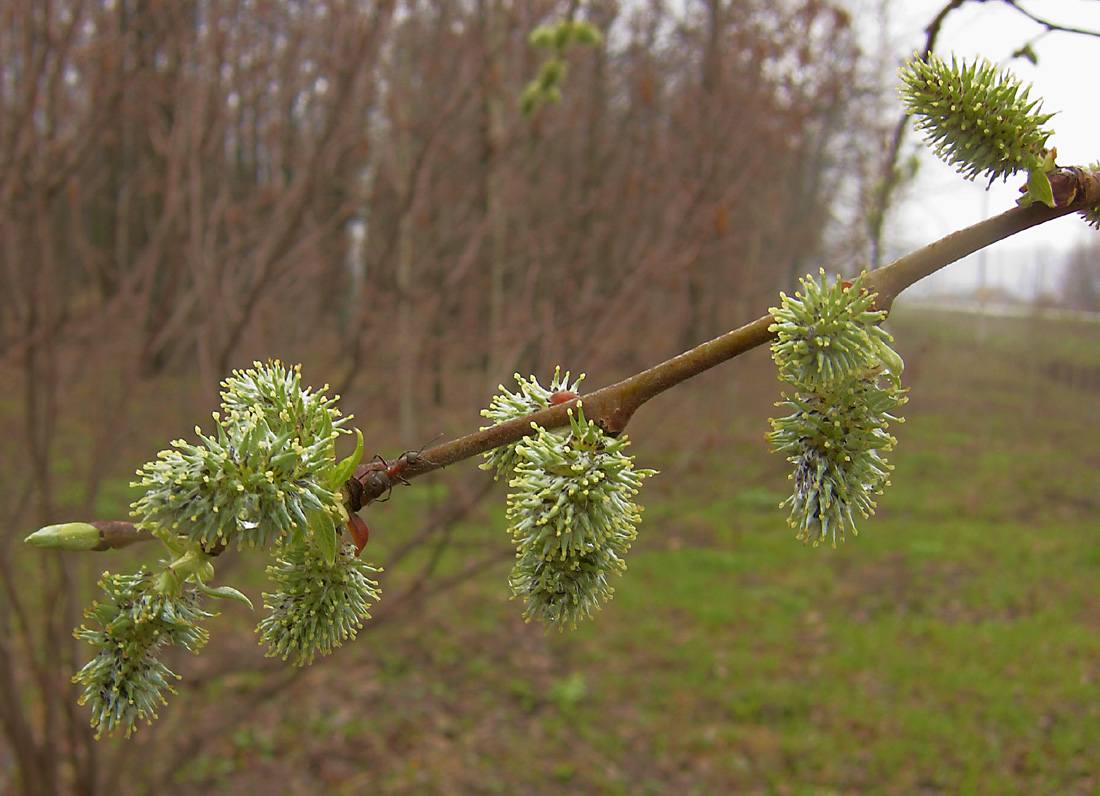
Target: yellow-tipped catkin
pixel 977 117
pixel 845 384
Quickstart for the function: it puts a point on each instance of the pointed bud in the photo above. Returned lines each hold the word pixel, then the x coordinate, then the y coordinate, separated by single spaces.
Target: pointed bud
pixel 74 537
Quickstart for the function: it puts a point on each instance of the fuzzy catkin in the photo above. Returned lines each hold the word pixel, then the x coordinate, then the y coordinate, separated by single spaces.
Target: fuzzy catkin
pixel 317 606
pixel 262 475
pixel 571 508
pixel 125 681
pixel 976 117
pixel 845 385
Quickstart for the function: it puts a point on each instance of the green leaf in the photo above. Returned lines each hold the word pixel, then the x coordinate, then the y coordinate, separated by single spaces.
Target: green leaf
pixel 324 532
pixel 345 468
pixel 225 593
pixel 1038 189
pixel 542 36
pixel 586 33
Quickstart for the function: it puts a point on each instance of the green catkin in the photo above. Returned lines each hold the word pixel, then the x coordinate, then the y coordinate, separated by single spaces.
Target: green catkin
pixel 976 117
pixel 125 682
pixel 268 476
pixel 506 406
pixel 317 605
pixel 571 508
pixel 260 477
pixel 845 384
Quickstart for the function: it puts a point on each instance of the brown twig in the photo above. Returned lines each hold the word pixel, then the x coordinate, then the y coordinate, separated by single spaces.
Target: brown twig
pixel 114 535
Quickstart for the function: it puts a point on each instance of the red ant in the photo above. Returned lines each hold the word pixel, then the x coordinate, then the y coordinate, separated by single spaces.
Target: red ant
pixel 379 481
pixel 382 480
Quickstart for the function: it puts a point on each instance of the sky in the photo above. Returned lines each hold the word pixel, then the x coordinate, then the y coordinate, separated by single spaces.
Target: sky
pixel 942 201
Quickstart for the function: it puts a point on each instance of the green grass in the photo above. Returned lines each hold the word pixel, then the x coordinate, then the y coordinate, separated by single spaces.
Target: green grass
pixel 953 646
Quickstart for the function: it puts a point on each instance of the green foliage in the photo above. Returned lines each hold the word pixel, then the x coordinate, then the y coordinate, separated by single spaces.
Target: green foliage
pixel 125 682
pixel 266 473
pixel 979 119
pixel 319 604
pixel 846 383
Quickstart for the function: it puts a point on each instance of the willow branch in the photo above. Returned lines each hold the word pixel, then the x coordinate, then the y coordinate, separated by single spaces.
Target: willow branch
pixel 612 407
pixel 1074 190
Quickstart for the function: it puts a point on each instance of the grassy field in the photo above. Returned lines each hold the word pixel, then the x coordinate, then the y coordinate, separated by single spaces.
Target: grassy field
pixel 953 647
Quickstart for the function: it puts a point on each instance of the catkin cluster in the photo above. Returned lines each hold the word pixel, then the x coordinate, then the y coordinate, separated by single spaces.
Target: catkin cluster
pixel 845 384
pixel 571 509
pixel 125 681
pixel 318 604
pixel 264 474
pixel 268 478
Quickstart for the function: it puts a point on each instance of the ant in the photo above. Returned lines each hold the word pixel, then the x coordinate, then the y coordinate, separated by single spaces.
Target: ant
pixel 383 479
pixel 377 481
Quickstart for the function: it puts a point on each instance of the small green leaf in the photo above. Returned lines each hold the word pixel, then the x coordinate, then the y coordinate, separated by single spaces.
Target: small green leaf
pixel 563 33
pixel 225 593
pixel 552 73
pixel 324 532
pixel 178 545
pixel 193 562
pixel 1027 52
pixel 586 33
pixel 345 468
pixel 530 99
pixel 1038 190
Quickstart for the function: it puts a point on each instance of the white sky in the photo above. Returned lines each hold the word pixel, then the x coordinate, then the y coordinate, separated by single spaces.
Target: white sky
pixel 942 201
